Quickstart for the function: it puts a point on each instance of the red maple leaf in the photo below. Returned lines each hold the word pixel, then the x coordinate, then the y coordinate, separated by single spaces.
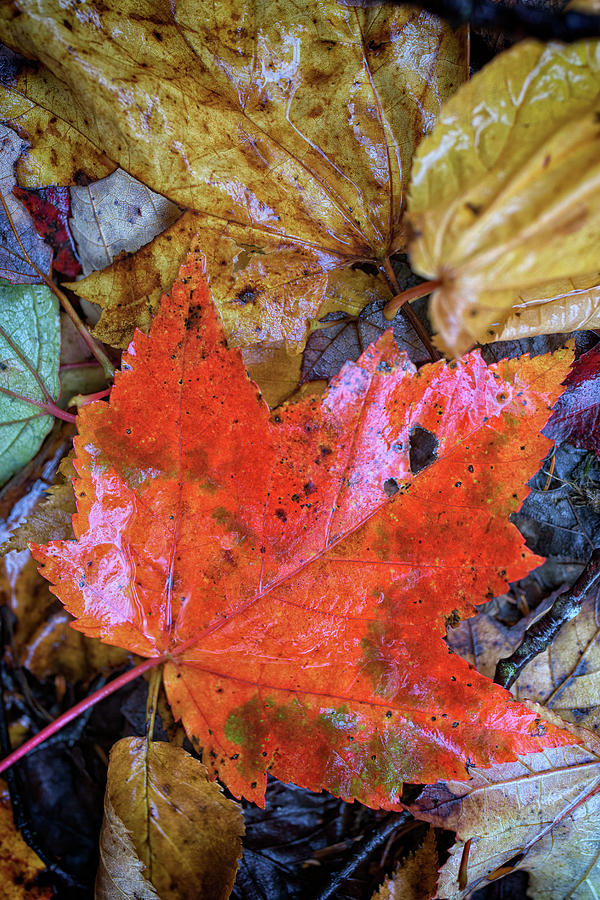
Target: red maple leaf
pixel 299 575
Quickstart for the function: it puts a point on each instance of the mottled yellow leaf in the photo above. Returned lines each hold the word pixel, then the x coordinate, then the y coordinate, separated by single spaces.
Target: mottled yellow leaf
pixel 36 104
pixel 290 131
pixel 19 865
pixel 505 196
pixel 540 814
pixel 168 831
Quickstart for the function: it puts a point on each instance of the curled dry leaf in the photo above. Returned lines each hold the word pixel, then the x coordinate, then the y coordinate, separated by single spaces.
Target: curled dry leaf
pixel 540 814
pixel 416 876
pixel 116 214
pixel 44 113
pixel 168 831
pixel 19 865
pixel 505 197
pixel 29 351
pixel 300 569
pixel 292 137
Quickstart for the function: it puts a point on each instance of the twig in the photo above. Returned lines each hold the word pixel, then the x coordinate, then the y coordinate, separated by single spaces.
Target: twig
pixel 408 313
pixel 541 634
pixel 384 829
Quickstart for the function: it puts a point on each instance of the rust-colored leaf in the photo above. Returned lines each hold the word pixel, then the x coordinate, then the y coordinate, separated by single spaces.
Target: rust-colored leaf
pixel 300 569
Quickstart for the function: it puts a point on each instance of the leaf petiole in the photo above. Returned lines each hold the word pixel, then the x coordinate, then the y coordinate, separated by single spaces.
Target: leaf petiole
pixel 408 313
pixel 76 710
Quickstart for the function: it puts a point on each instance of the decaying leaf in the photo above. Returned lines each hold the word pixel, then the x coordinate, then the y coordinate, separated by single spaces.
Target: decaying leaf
pixel 565 677
pixel 301 569
pixel 18 238
pixel 44 113
pixel 505 196
pixel 540 814
pixel 576 418
pixel 416 877
pixel 114 215
pixel 29 351
pixel 297 139
pixel 346 337
pixel 168 831
pixel 19 865
pixel 51 518
pixel 50 209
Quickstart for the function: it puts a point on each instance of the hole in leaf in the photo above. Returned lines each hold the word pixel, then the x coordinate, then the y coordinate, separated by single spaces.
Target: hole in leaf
pixel 422 450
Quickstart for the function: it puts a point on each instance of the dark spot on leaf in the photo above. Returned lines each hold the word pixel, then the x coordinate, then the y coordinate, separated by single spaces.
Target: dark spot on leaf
pixel 245 296
pixel 280 513
pixel 422 449
pixel 390 487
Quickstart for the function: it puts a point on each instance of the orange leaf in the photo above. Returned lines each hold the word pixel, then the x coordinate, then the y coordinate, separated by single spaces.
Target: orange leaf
pixel 300 568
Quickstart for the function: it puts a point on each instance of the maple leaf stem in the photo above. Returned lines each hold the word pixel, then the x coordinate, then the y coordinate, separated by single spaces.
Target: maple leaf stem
pixel 62 298
pixel 404 307
pixel 540 635
pixel 94 347
pixel 76 710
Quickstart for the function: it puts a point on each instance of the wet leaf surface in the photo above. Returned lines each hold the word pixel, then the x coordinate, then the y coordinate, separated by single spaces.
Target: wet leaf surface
pixel 576 418
pixel 241 638
pixel 37 105
pixel 560 517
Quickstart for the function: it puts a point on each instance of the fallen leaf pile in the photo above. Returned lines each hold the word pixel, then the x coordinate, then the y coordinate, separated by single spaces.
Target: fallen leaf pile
pixel 278 504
